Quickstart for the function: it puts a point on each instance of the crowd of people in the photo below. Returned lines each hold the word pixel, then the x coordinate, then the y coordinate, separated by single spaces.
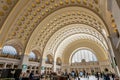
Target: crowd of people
pixel 73 75
pixel 106 75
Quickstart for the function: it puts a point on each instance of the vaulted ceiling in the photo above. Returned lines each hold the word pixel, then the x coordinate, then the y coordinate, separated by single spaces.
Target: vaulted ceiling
pixel 51 26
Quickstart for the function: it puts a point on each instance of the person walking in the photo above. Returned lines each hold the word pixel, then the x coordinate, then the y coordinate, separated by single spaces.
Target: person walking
pixel 31 76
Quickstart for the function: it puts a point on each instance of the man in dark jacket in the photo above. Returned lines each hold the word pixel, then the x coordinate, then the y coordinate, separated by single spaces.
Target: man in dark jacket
pixel 31 76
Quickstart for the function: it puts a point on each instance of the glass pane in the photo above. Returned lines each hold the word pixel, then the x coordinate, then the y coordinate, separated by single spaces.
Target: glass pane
pixel 32 55
pixel 9 50
pixel 85 54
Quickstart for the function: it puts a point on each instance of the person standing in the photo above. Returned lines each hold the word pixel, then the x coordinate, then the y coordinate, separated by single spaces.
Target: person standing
pixel 106 75
pixel 84 73
pixel 113 76
pixel 31 76
pixel 81 73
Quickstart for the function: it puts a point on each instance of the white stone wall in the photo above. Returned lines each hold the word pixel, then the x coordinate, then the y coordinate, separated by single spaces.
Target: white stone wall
pixel 88 66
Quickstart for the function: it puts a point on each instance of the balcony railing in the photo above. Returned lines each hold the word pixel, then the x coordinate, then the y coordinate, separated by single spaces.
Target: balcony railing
pixel 10 56
pixel 34 60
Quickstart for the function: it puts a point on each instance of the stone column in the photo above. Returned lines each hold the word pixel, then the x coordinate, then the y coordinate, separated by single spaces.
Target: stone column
pixel 42 65
pixel 30 68
pixel 12 65
pixel 54 66
pixel 117 61
pixel 5 65
pixel 116 55
pixel 24 62
pixel 0 50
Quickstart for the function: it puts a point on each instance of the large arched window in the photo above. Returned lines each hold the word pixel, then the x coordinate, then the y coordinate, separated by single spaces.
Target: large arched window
pixel 85 54
pixel 32 55
pixel 49 59
pixel 9 50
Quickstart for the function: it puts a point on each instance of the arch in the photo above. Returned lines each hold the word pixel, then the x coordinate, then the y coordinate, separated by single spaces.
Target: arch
pixel 43 26
pixel 38 54
pixel 11 19
pixel 9 50
pixel 86 55
pixel 49 59
pixel 75 31
pixel 69 41
pixel 99 52
pixel 59 61
pixel 16 44
pixel 32 55
pixel 30 10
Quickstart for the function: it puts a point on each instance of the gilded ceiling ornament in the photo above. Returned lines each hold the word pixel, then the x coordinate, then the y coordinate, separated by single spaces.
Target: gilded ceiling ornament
pixel 42 6
pixel 22 18
pixel 16 28
pixel 29 29
pixel 22 31
pixel 97 9
pixel 36 21
pixel 39 17
pixel 91 5
pixel 27 34
pixel 9 2
pixel 31 18
pixel 38 1
pixel 113 25
pixel 96 1
pixel 61 3
pixel 1 13
pixel 5 7
pixel 72 1
pixel 34 13
pixel 47 3
pixel 78 1
pixel 51 7
pixel 47 10
pixel 52 0
pixel 28 22
pixel 19 36
pixel 25 38
pixel 29 9
pixel 115 30
pixel 56 5
pixel 33 5
pixel 19 23
pixel 25 26
pixel 38 10
pixel 32 25
pixel 26 14
pixel 13 34
pixel 66 1
pixel 85 2
pixel 43 13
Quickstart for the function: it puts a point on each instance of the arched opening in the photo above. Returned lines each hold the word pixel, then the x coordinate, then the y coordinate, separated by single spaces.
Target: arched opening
pixel 58 61
pixel 34 57
pixel 83 55
pixel 9 52
pixel 49 59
